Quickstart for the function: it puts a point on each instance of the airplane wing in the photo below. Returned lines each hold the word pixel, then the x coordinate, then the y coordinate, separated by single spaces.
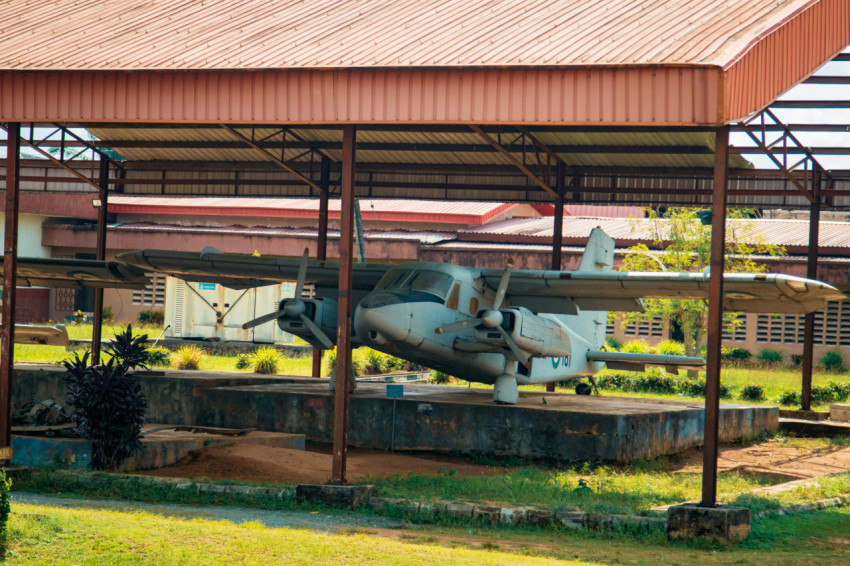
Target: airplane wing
pixel 37 334
pixel 239 271
pixel 78 273
pixel 636 362
pixel 622 291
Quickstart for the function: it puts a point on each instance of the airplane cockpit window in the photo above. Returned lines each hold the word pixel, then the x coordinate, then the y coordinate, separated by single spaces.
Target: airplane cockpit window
pixel 410 286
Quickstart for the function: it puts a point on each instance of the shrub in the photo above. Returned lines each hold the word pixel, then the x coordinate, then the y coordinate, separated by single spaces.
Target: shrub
pixel 832 361
pixel 107 315
pixel 752 392
pixel 635 347
pixel 735 354
pixel 789 397
pixel 159 356
pixel 375 362
pixel 822 394
pixel 613 343
pixel 770 356
pixel 266 360
pixel 671 348
pixel 152 317
pixel 840 391
pixel 108 405
pixel 440 377
pixel 357 361
pixel 5 508
pixel 796 359
pixel 187 357
pixel 243 361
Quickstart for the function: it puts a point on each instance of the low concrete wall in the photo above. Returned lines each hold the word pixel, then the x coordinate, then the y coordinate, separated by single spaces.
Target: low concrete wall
pixel 436 418
pixel 218 348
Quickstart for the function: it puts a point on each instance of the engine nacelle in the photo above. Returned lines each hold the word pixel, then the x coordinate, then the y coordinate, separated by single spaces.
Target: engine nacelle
pixel 535 335
pixel 321 311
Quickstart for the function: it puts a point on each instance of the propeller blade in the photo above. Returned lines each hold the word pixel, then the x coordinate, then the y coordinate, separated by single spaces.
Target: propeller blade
pixel 262 319
pixel 520 355
pixel 458 326
pixel 317 332
pixel 503 285
pixel 302 274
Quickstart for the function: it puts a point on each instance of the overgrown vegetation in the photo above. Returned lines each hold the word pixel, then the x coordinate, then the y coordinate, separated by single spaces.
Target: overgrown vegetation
pixel 109 407
pixel 770 356
pixel 266 360
pixel 5 510
pixel 188 357
pixel 833 361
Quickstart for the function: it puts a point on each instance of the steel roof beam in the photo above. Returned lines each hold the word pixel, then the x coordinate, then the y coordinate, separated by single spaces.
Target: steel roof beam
pixel 268 156
pixel 516 162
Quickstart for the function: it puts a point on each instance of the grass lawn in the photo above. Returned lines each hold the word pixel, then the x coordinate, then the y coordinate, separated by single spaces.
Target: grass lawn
pixel 51 535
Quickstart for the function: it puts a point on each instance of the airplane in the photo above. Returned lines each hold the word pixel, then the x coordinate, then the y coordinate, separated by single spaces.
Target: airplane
pixel 502 327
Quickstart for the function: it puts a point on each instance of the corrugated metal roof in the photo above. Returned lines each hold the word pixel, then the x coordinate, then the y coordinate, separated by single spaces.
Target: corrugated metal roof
pixel 372 209
pixel 788 233
pixel 276 34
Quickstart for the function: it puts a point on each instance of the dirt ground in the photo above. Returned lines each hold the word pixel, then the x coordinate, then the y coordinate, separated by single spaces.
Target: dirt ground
pixel 251 462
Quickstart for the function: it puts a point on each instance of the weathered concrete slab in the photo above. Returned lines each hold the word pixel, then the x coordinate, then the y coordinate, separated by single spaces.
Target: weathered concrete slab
pixel 161 448
pixel 435 418
pixel 814 428
pixel 839 413
pixel 345 496
pixel 805 415
pixel 720 524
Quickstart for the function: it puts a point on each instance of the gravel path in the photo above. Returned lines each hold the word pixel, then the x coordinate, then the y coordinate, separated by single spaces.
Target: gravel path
pixel 273 519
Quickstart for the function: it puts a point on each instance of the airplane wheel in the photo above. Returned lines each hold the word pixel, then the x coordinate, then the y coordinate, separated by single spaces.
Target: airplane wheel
pixel 583 389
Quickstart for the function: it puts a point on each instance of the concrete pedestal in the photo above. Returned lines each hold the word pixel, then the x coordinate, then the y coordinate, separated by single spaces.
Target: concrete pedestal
pixel 839 413
pixel 722 524
pixel 345 496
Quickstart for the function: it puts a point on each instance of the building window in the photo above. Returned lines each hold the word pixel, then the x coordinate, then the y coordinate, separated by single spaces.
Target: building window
pixel 646 328
pixel 153 295
pixel 65 299
pixel 736 332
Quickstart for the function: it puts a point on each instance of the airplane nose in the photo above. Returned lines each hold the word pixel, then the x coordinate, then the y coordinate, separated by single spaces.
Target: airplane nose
pixel 392 322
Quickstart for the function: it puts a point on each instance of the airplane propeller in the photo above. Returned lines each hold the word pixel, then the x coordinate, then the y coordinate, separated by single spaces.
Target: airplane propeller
pixel 491 318
pixel 295 307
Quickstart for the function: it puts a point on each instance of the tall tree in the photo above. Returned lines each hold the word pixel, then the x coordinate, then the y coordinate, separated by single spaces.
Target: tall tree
pixel 682 243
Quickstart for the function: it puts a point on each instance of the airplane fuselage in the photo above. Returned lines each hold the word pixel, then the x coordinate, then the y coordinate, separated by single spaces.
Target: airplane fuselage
pixel 400 316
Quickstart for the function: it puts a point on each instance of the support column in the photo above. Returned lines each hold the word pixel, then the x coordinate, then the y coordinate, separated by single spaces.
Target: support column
pixel 322 245
pixel 558 232
pixel 811 273
pixel 714 330
pixel 343 327
pixel 97 323
pixel 10 261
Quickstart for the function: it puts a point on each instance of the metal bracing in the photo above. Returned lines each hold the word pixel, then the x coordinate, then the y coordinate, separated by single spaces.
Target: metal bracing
pixel 780 148
pixel 63 143
pixel 519 164
pixel 287 166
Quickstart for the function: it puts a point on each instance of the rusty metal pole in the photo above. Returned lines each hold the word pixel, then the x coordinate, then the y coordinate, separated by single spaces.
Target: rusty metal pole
pixel 97 323
pixel 715 318
pixel 811 273
pixel 343 325
pixel 558 232
pixel 10 261
pixel 322 246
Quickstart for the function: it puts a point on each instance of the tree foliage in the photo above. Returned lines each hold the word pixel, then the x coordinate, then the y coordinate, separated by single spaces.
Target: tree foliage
pixel 683 244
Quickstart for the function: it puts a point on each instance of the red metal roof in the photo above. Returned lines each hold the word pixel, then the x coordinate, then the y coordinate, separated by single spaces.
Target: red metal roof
pixel 834 237
pixel 398 210
pixel 480 61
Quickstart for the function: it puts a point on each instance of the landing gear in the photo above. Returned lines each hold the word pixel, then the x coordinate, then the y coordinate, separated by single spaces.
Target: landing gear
pixel 505 390
pixel 352 383
pixel 583 389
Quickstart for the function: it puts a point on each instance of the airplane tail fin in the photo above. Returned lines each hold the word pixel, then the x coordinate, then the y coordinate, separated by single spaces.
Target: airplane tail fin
pixel 598 256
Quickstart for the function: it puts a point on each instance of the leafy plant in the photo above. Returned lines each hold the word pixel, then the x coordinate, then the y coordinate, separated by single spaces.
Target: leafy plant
pixel 735 354
pixel 79 317
pixel 840 391
pixel 187 357
pixel 107 315
pixel 752 392
pixel 671 348
pixel 833 361
pixel 159 356
pixel 376 362
pixel 789 397
pixel 109 407
pixel 822 394
pixel 770 356
pixel 152 317
pixel 439 377
pixel 635 347
pixel 266 360
pixel 243 361
pixel 613 343
pixel 5 508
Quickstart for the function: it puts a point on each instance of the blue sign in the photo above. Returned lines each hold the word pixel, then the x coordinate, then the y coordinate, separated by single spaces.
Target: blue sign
pixel 395 390
pixel 206 286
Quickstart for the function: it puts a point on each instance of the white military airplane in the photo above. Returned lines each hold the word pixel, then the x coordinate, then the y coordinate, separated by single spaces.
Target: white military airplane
pixel 503 327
